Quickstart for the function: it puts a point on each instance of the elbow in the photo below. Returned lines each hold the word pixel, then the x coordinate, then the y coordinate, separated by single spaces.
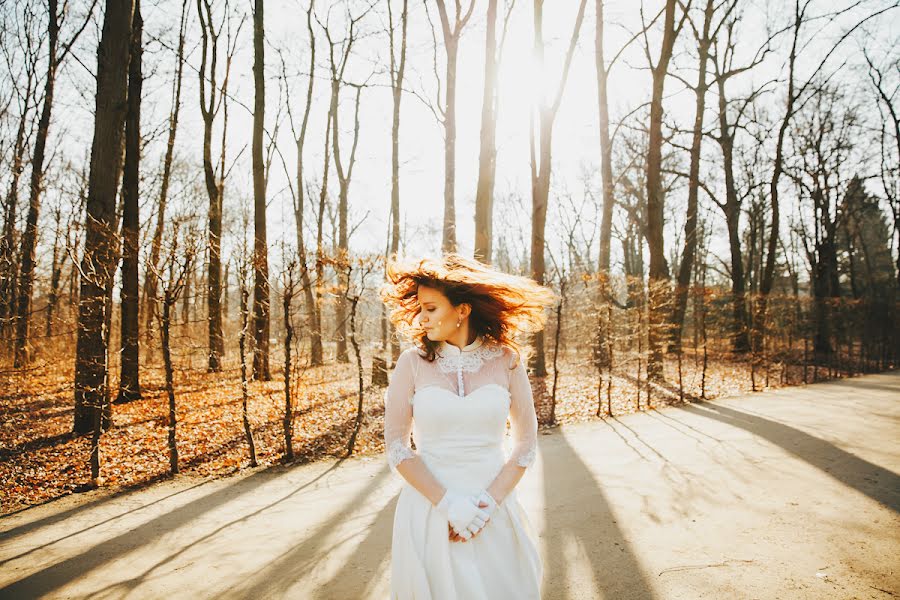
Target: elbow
pixel 526 453
pixel 397 452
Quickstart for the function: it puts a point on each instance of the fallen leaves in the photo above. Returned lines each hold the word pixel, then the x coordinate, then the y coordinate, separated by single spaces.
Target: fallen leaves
pixel 40 459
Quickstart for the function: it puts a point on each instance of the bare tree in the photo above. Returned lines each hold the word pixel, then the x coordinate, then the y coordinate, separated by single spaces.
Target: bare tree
pixel 177 269
pixel 397 72
pixel 889 165
pixel 98 262
pixel 338 66
pixel 452 34
pixel 659 269
pixel 541 160
pixel 244 290
pixel 320 216
pixel 366 266
pixel 730 120
pixel 703 37
pixel 602 69
pixel 298 191
pixel 210 103
pixel 484 191
pixel 822 140
pixel 129 380
pixel 260 247
pixel 56 266
pixel 768 278
pixel 150 281
pixel 794 99
pixel 24 81
pixel 55 56
pixel 288 420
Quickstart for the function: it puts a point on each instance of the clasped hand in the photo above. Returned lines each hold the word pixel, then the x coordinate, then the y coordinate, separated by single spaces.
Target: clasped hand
pixel 466 515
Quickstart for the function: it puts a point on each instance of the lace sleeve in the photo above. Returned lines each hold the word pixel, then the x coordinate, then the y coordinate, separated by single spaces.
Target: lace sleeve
pixel 522 417
pixel 398 411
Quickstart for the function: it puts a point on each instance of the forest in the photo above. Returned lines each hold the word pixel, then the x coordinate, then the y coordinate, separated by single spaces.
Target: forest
pixel 199 199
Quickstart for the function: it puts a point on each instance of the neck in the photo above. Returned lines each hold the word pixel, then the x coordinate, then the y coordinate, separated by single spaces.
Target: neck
pixel 462 337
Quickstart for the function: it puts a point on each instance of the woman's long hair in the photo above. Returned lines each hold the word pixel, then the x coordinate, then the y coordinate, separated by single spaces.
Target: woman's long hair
pixel 504 307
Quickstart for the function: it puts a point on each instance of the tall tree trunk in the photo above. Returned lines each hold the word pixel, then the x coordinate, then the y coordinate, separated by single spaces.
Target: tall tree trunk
pixel 824 290
pixel 57 260
pixel 659 270
pixel 129 381
pixel 186 300
pixel 214 186
pixel 344 177
pixel 214 285
pixel 540 173
pixel 484 192
pixel 768 275
pixel 98 262
pixel 452 36
pixel 732 210
pixel 315 336
pixel 340 309
pixel 288 420
pixel 605 145
pixel 683 280
pixel 29 237
pixel 8 267
pixel 320 248
pixel 398 70
pixel 448 242
pixel 606 173
pixel 260 249
pixel 172 423
pixel 539 198
pixel 151 280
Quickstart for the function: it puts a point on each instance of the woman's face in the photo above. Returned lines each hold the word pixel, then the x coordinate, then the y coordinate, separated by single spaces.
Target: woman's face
pixel 437 314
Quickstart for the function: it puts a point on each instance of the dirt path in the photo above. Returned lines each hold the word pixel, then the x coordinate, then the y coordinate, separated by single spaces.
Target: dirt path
pixel 790 494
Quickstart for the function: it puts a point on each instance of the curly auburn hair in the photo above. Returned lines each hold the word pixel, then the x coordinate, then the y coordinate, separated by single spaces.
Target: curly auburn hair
pixel 504 307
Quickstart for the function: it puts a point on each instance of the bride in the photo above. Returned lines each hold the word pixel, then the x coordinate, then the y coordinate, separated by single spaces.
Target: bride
pixel 459 529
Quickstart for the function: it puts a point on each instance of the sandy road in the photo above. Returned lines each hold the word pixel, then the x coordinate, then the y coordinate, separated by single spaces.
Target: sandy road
pixel 790 494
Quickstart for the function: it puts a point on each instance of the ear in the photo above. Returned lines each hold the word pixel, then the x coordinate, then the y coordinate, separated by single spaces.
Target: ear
pixel 465 309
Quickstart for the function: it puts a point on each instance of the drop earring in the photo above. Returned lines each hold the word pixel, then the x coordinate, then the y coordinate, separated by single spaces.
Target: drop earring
pixel 458 323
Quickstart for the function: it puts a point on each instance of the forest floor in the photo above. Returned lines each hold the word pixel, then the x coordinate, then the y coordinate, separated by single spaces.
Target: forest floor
pixel 41 460
pixel 789 494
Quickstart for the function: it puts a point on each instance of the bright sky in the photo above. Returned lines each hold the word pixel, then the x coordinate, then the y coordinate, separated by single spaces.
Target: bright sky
pixel 575 148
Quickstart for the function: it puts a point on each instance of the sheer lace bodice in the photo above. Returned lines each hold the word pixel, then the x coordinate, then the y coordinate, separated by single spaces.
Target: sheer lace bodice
pixel 464 397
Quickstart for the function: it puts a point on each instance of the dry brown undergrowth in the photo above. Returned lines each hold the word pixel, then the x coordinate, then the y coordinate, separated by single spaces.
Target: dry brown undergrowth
pixel 41 460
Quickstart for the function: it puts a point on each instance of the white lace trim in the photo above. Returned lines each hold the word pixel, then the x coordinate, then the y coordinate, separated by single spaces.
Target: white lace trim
pixel 468 361
pixel 397 452
pixel 527 459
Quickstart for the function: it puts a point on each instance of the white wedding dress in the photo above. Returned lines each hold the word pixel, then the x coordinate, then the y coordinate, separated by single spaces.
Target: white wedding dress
pixel 456 408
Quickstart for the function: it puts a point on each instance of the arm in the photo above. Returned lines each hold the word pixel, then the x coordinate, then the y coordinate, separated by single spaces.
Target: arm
pixel 398 417
pixel 523 422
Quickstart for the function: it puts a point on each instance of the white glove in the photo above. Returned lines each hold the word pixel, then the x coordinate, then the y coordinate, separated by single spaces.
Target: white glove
pixel 485 497
pixel 462 513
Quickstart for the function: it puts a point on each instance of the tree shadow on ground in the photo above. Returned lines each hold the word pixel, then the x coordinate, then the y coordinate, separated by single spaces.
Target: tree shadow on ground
pixel 56 576
pixel 281 574
pixel 617 571
pixel 874 481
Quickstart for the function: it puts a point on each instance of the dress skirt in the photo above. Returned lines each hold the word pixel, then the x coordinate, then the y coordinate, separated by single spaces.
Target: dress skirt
pixel 502 561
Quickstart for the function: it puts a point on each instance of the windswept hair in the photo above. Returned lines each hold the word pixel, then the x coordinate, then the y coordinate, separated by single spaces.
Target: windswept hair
pixel 504 307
